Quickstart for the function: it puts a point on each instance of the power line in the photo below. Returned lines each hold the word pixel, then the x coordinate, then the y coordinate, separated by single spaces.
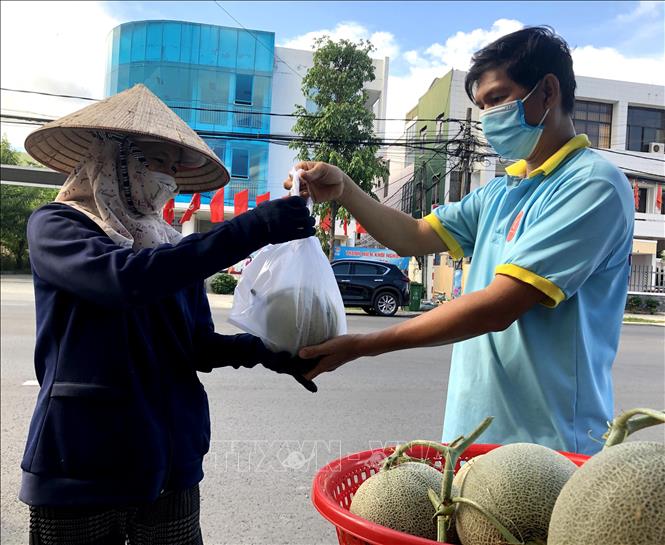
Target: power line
pixel 629 154
pixel 221 110
pixel 258 41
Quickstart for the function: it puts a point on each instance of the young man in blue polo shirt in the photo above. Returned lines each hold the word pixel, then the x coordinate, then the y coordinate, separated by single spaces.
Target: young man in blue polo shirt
pixel 537 330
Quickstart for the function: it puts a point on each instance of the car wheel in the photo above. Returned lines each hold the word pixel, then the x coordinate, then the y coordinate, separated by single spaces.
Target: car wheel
pixel 369 310
pixel 385 304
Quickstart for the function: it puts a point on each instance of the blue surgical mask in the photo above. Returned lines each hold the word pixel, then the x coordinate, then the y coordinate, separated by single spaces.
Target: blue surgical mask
pixel 507 131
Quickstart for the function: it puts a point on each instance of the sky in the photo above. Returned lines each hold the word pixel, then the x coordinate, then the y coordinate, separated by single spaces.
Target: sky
pixel 60 47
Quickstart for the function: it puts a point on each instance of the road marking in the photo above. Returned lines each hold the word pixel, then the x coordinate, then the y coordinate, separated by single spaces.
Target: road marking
pixel 30 383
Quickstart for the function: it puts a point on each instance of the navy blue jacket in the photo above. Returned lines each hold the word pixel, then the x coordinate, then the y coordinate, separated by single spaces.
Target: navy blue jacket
pixel 121 414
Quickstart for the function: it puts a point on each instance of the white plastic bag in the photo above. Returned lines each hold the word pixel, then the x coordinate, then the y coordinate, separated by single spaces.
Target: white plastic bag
pixel 288 295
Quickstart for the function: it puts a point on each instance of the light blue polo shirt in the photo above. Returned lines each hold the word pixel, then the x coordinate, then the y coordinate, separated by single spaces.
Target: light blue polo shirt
pixel 567 230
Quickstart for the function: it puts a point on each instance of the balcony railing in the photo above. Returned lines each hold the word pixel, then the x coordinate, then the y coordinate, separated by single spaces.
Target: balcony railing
pixel 647 279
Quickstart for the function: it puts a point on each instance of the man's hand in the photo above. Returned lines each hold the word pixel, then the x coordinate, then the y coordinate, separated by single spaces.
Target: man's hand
pixel 333 354
pixel 320 181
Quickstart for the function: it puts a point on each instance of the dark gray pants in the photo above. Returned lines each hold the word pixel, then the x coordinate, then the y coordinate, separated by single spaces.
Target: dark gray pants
pixel 172 519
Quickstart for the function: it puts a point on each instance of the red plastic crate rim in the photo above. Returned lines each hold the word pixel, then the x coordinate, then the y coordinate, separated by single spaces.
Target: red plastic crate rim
pixel 335 484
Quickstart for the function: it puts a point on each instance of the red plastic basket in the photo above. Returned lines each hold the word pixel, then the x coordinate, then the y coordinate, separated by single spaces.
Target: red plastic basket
pixel 335 484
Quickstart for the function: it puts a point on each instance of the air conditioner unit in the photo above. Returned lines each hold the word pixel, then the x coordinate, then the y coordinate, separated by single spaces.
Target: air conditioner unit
pixel 657 147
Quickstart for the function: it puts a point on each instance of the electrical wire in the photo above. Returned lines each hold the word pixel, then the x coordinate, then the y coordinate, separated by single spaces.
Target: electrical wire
pixel 221 110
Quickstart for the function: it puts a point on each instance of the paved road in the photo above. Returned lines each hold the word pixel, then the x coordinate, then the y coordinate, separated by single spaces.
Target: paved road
pixel 270 435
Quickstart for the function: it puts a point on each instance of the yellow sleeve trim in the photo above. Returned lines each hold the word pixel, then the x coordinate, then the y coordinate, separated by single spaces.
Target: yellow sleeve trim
pixel 542 284
pixel 454 249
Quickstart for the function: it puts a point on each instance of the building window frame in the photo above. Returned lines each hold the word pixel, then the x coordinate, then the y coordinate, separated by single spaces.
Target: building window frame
pixel 635 130
pixel 594 118
pixel 240 97
pixel 237 163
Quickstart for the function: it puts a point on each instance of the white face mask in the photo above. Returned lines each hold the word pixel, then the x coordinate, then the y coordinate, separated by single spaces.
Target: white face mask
pixel 151 190
pixel 507 131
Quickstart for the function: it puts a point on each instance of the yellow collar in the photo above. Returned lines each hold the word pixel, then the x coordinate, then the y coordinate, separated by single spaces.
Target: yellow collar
pixel 575 143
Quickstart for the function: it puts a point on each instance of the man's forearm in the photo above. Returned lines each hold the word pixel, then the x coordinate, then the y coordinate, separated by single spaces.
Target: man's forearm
pixel 491 309
pixel 455 321
pixel 391 227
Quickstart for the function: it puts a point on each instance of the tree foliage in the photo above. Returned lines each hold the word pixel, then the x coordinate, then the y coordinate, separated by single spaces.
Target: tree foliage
pixel 339 129
pixel 16 204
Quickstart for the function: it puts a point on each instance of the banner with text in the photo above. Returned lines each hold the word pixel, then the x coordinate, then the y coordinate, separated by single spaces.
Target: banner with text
pixel 374 254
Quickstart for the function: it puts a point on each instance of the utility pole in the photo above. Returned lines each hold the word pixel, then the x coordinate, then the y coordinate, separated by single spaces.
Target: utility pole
pixel 465 175
pixel 466 156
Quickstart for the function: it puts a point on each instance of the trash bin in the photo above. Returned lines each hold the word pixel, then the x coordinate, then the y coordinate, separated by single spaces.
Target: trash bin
pixel 416 295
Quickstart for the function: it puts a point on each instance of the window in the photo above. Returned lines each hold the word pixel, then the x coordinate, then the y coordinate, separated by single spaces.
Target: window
pixel 386 179
pixel 435 189
pixel 410 140
pixel 595 120
pixel 423 138
pixel 240 163
pixel 407 197
pixel 219 147
pixel 645 125
pixel 418 197
pixel 366 268
pixel 244 89
pixel 439 126
pixel 342 268
pixel 643 200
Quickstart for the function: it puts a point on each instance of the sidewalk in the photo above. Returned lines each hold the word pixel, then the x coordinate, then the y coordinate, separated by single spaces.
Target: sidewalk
pixel 14 284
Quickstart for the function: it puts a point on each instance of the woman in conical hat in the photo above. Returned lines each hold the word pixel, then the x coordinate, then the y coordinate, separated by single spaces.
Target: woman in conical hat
pixel 121 425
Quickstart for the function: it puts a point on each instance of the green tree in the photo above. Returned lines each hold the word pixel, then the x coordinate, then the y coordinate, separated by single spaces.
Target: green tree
pixel 16 204
pixel 341 131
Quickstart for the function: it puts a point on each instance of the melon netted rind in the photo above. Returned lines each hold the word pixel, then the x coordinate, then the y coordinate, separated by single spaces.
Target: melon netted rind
pixel 299 317
pixel 397 498
pixel 518 484
pixel 616 498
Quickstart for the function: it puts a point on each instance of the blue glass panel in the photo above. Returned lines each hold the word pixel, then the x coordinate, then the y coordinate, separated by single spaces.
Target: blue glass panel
pixel 196 43
pixel 265 52
pixel 112 83
pixel 153 50
pixel 218 146
pixel 240 163
pixel 206 196
pixel 244 84
pixel 186 36
pixel 171 39
pixel 209 45
pixel 125 44
pixel 136 74
pixel 138 42
pixel 246 50
pixel 123 78
pixel 228 45
pixel 115 55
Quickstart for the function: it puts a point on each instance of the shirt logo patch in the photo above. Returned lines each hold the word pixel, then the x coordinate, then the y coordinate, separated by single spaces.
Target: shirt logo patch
pixel 514 226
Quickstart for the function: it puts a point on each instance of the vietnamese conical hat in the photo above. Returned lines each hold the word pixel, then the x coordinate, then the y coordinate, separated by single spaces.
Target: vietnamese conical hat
pixel 138 113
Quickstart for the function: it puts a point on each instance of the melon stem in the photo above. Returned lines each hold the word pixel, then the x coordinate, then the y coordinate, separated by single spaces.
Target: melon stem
pixel 509 537
pixel 629 422
pixel 452 453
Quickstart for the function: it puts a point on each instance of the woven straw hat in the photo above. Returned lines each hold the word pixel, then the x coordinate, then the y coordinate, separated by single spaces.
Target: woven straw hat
pixel 138 113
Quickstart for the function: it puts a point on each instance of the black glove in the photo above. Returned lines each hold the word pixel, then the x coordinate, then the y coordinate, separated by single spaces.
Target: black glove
pixel 285 219
pixel 282 362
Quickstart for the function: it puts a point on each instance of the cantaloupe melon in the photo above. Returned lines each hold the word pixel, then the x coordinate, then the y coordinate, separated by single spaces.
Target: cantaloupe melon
pixel 298 317
pixel 397 498
pixel 616 498
pixel 518 484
